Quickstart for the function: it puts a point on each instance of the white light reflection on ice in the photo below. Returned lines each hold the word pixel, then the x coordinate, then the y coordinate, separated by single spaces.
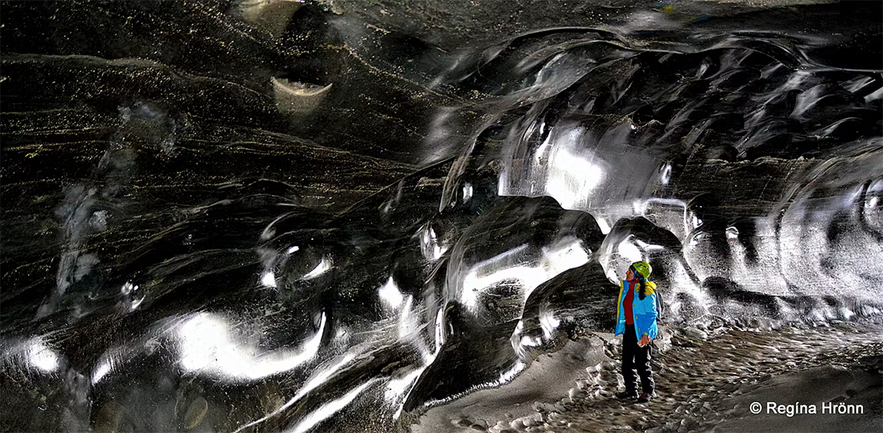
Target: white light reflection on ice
pixel 671 214
pixel 648 247
pixel 807 99
pixel 504 378
pixel 603 224
pixel 440 334
pixel 485 273
pixel 109 361
pixel 128 288
pixel 131 289
pixel 548 322
pixel 877 94
pixel 32 354
pixel 101 370
pixel 566 254
pixel 409 327
pixel 508 375
pixel 519 342
pixel 389 293
pixel 312 384
pixel 41 356
pixel 529 342
pixel 396 388
pixel 430 247
pixel 269 279
pixel 665 177
pixel 732 233
pixel 329 409
pixel 572 177
pixel 563 256
pixel 320 269
pixel 628 250
pixel 135 304
pixel 467 192
pixel 207 346
pixel 561 167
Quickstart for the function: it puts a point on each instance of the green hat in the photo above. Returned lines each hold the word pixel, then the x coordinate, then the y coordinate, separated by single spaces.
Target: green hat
pixel 642 270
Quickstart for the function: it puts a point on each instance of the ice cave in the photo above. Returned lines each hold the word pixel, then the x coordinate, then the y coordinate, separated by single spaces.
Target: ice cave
pixel 414 215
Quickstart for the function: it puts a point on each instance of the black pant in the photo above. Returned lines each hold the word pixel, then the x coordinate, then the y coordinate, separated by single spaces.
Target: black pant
pixel 636 357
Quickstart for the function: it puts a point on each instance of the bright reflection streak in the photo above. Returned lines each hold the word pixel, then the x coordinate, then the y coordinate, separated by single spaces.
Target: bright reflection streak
pixel 562 167
pixel 648 247
pixel 665 177
pixel 409 330
pixel 508 375
pixel 519 342
pixel 41 356
pixel 628 250
pixel 603 224
pixel 130 290
pixel 732 233
pixel 269 279
pixel 313 383
pixel 329 409
pixel 321 378
pixel 553 261
pixel 207 346
pixel 320 269
pixel 408 323
pixel 878 94
pixel 571 177
pixel 485 273
pixel 529 342
pixel 440 335
pixel 102 370
pixel 292 250
pixel 467 192
pixel 397 387
pixel 671 214
pixel 548 322
pixel 429 244
pixel 108 363
pixel 389 293
pixel 32 354
pixel 135 304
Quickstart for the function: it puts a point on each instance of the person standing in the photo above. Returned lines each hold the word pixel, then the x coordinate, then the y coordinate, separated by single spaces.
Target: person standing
pixel 636 315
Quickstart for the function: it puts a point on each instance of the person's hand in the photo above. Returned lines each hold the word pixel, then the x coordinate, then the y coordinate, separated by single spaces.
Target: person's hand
pixel 645 340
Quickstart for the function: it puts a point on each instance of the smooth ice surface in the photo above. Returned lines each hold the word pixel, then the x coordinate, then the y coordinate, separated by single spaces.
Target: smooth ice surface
pixel 329 216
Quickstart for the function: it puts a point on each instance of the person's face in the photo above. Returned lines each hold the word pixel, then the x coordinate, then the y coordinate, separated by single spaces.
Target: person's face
pixel 629 275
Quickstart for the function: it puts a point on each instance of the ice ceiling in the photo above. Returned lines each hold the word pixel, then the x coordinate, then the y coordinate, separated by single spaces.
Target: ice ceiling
pixel 324 216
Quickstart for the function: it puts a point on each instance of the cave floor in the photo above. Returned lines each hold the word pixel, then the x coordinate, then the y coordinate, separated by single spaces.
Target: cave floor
pixel 708 381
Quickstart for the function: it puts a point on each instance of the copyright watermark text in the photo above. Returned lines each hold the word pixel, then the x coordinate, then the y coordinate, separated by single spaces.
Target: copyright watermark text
pixel 798 408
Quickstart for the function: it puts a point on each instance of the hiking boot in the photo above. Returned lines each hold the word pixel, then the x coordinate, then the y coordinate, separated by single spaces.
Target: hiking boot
pixel 645 397
pixel 624 395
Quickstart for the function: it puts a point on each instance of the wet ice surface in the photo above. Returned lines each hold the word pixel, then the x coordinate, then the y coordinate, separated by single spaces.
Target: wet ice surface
pixel 262 216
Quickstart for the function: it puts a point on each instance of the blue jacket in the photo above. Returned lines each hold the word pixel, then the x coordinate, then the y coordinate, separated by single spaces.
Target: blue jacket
pixel 643 311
